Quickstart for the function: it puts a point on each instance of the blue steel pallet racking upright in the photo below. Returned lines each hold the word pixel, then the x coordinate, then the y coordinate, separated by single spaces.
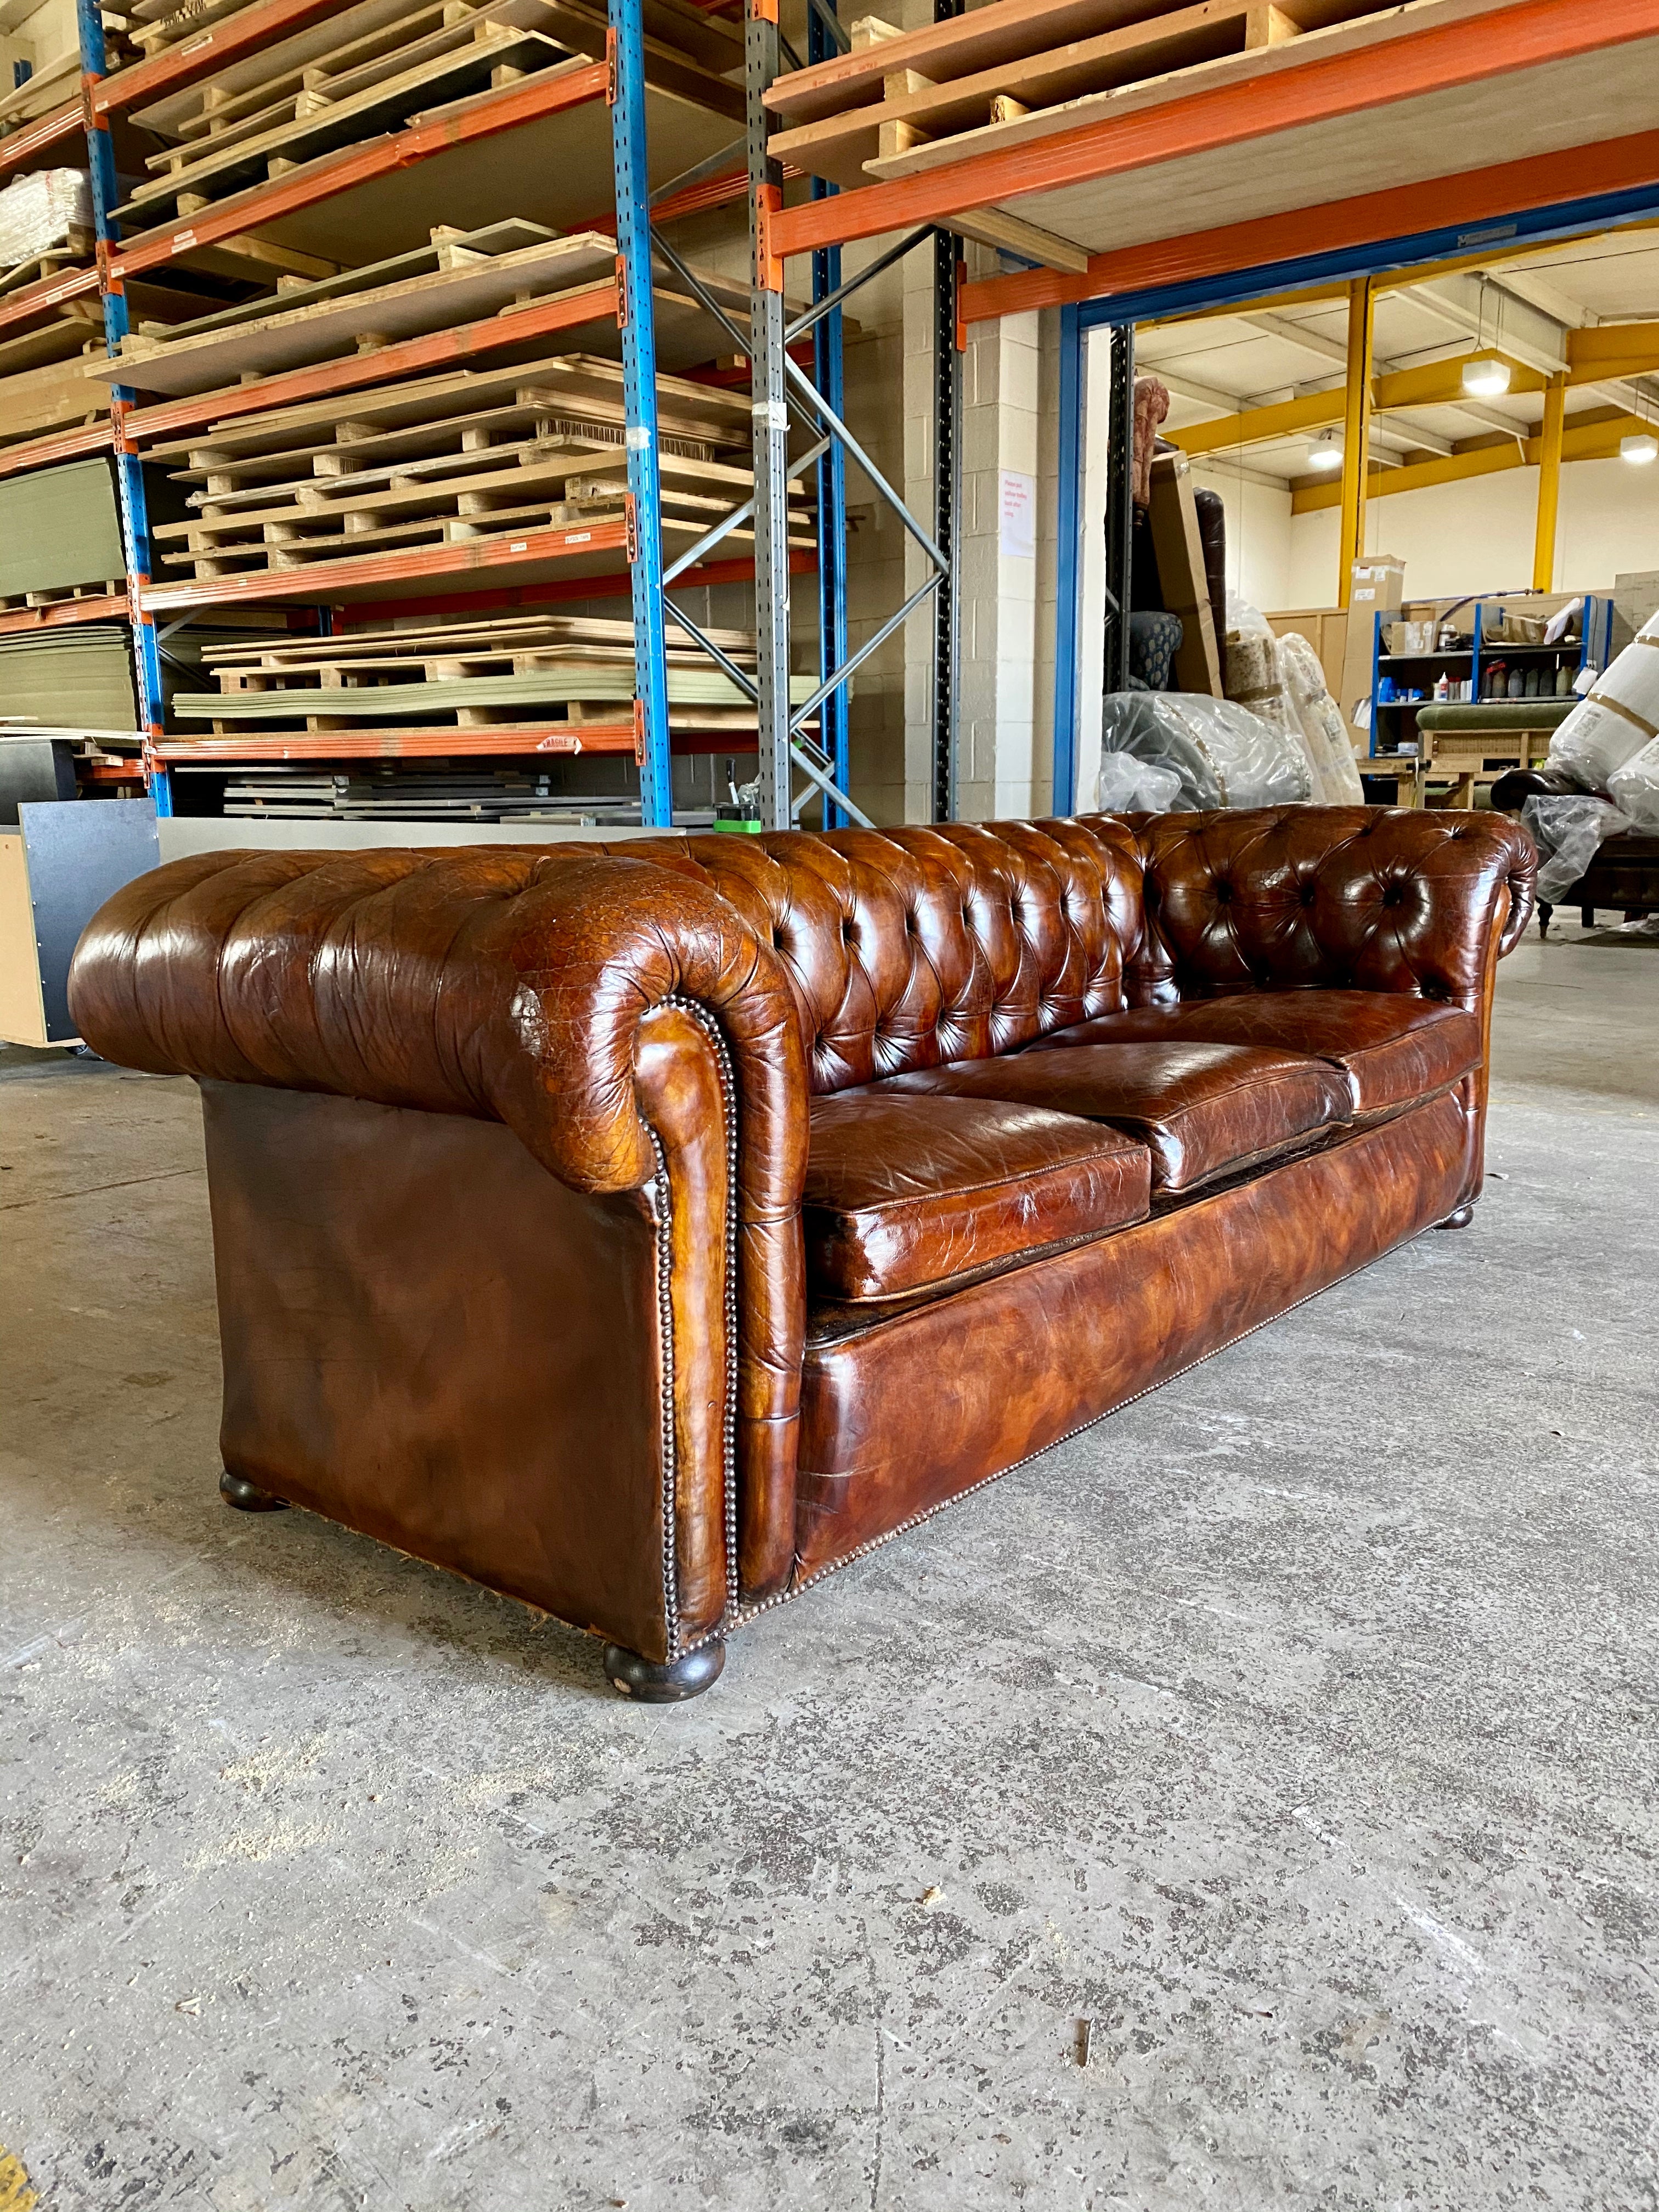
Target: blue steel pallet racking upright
pixel 620 82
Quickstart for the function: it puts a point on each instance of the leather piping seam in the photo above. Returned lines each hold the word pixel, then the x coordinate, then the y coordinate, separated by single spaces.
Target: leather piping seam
pixel 905 1527
pixel 711 1029
pixel 662 1213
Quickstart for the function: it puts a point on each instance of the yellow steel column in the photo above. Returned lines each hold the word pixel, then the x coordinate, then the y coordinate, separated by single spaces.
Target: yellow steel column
pixel 1549 485
pixel 1356 433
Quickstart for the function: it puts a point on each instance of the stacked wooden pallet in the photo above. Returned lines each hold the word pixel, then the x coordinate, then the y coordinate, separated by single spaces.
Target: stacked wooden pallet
pixel 540 446
pixel 548 680
pixel 1017 70
pixel 379 66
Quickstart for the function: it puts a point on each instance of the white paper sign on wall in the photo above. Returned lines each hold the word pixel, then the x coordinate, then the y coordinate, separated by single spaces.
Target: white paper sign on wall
pixel 1019 510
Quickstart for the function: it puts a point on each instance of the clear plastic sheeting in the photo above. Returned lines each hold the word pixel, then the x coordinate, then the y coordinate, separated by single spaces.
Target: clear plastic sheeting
pixel 1570 832
pixel 39 211
pixel 1634 789
pixel 1618 718
pixel 1280 680
pixel 1128 786
pixel 1336 772
pixel 1222 754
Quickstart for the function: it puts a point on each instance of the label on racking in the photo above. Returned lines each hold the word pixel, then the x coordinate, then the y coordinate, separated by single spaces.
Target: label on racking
pixel 771 414
pixel 639 438
pixel 182 241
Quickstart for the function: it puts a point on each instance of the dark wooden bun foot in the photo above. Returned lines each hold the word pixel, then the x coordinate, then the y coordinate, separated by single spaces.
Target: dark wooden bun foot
pixel 1460 1220
pixel 651 1682
pixel 247 1497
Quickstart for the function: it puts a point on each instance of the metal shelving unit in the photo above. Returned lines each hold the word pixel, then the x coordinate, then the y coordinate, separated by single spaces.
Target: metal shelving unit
pixel 543 567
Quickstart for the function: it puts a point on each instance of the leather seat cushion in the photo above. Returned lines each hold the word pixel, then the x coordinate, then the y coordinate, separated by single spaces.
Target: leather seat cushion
pixel 1394 1049
pixel 905 1194
pixel 1202 1111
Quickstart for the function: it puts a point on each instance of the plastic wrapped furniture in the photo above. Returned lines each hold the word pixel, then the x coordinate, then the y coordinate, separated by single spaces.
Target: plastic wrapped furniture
pixel 1224 755
pixel 1125 785
pixel 1620 716
pixel 1634 788
pixel 648 1234
pixel 1622 871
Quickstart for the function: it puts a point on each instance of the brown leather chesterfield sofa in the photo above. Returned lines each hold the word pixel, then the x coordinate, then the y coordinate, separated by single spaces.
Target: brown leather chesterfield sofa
pixel 648 1232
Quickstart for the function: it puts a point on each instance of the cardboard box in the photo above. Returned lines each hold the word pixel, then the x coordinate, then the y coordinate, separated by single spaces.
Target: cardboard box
pixel 1180 552
pixel 1378 588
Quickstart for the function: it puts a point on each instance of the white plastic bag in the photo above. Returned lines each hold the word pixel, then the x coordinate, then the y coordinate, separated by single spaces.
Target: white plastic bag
pixel 38 211
pixel 1569 831
pixel 1128 786
pixel 1617 718
pixel 1224 755
pixel 1634 788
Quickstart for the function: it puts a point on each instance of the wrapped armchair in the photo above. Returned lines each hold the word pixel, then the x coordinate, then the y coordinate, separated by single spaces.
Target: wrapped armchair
pixel 647 1231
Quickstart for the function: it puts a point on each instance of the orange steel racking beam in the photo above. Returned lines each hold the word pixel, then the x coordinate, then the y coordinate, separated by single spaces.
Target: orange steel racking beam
pixel 615 586
pixel 59 446
pixel 190 58
pixel 543 738
pixel 39 136
pixel 593 303
pixel 61 613
pixel 1528 35
pixel 1474 195
pixel 319 581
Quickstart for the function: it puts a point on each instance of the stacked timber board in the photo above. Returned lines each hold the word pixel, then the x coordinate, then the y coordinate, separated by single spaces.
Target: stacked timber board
pixel 386 793
pixel 81 675
pixel 1018 70
pixel 359 76
pixel 560 682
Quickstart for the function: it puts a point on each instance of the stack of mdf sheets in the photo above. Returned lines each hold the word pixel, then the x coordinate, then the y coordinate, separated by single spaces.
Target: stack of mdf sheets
pixel 81 677
pixel 437 461
pixel 391 792
pixel 529 678
pixel 1016 70
pixel 60 534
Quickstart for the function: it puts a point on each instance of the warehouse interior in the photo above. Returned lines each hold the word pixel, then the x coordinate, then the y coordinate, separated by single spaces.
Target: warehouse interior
pixel 762 772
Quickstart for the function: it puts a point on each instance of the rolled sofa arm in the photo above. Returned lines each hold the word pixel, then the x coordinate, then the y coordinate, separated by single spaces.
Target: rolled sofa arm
pixel 517 985
pixel 1361 898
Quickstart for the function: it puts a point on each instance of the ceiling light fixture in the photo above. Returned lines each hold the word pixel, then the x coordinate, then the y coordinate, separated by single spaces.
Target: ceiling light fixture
pixel 1326 452
pixel 1486 376
pixel 1640 451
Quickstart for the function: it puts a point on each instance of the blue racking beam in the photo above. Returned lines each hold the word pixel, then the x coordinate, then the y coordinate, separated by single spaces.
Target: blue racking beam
pixel 635 307
pixel 1568 219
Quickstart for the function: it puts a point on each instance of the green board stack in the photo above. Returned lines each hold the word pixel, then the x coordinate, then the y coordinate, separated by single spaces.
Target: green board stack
pixel 59 528
pixel 79 678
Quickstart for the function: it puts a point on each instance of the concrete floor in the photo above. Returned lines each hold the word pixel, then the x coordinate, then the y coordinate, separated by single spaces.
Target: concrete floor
pixel 1296 1728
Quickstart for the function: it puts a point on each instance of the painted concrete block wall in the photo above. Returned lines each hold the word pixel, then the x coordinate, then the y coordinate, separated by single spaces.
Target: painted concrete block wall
pixel 1003 457
pixel 1477 536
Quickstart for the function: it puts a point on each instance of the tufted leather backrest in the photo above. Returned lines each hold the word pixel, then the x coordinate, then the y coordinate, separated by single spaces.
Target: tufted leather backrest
pixel 1336 898
pixel 910 946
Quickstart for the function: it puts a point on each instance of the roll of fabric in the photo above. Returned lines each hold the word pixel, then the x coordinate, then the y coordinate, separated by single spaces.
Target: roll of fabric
pixel 1212 536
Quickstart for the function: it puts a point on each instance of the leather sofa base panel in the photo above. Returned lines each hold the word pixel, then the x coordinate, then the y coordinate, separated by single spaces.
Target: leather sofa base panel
pixel 430 1339
pixel 904 1416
